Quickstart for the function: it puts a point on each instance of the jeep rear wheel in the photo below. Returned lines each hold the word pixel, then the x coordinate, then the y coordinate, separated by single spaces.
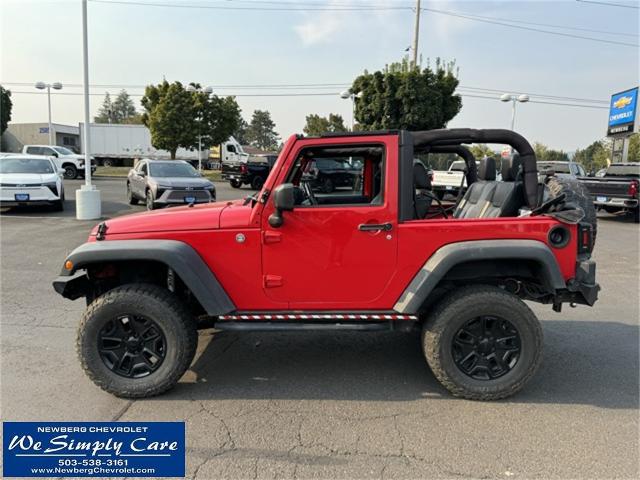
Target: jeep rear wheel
pixel 482 343
pixel 136 341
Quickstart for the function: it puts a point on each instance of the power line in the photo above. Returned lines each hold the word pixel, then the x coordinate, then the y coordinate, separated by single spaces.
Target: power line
pixel 608 4
pixel 319 94
pixel 376 7
pixel 336 8
pixel 302 86
pixel 531 29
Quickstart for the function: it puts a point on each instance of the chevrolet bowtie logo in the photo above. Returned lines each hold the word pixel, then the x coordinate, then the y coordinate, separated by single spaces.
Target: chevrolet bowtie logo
pixel 622 102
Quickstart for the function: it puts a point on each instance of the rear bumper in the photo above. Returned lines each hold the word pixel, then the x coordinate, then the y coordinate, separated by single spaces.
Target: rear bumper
pixel 618 202
pixel 583 289
pixel 236 176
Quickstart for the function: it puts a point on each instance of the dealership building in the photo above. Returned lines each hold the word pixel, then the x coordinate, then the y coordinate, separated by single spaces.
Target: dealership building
pixel 19 134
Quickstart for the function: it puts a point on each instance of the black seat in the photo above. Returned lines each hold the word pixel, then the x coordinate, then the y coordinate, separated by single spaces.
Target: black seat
pixel 508 197
pixel 478 196
pixel 422 184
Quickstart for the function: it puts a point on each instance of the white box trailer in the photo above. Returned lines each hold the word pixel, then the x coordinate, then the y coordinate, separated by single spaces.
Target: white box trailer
pixel 119 145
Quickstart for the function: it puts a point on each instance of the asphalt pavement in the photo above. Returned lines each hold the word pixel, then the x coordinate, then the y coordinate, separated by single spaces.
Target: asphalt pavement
pixel 337 405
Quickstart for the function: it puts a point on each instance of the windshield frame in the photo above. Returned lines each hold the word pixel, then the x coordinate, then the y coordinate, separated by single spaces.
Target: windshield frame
pixel 57 147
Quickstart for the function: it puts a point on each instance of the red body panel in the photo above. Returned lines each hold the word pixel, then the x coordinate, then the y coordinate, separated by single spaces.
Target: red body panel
pixel 318 259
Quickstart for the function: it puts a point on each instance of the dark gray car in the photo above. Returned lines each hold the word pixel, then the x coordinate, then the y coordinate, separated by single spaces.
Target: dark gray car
pixel 167 182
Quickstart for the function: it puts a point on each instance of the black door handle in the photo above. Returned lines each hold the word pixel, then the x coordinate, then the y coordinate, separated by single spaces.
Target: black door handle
pixel 374 227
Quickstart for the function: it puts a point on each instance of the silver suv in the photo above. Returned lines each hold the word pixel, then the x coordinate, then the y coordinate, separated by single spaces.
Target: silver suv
pixel 167 182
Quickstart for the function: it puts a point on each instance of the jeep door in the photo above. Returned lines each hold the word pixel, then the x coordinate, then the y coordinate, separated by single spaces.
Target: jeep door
pixel 337 251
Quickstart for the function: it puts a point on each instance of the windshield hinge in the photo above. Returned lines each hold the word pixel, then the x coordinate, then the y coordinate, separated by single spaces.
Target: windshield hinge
pixel 264 196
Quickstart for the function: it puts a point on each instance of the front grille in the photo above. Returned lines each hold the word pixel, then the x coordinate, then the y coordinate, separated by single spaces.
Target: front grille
pixel 199 195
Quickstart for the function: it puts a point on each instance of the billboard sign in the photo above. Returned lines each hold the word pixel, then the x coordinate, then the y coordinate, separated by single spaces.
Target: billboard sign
pixel 622 112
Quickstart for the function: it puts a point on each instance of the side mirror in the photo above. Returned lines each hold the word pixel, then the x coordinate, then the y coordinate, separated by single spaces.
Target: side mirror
pixel 143 173
pixel 61 171
pixel 54 154
pixel 284 201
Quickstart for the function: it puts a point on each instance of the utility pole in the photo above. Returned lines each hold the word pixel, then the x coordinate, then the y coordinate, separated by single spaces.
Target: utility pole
pixel 416 34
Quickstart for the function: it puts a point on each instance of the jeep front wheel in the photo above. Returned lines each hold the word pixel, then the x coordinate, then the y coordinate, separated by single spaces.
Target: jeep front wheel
pixel 136 340
pixel 482 343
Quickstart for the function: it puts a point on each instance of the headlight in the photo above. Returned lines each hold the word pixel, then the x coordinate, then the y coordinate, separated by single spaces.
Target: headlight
pixel 53 186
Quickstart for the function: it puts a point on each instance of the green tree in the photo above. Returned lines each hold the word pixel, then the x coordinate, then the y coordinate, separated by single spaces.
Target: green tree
pixel 594 157
pixel 120 110
pixel 177 117
pixel 170 115
pixel 5 109
pixel 481 150
pixel 105 113
pixel 544 153
pixel 634 148
pixel 261 133
pixel 401 97
pixel 317 125
pixel 123 107
pixel 241 132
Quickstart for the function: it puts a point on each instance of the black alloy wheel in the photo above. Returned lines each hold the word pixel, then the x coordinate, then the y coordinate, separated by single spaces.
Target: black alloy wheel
pixel 70 172
pixel 132 346
pixel 486 348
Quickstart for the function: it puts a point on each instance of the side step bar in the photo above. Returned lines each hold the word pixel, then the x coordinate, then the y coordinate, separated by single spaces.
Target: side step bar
pixel 312 326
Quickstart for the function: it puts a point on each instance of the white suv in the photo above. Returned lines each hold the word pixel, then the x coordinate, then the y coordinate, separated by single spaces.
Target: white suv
pixel 72 163
pixel 30 180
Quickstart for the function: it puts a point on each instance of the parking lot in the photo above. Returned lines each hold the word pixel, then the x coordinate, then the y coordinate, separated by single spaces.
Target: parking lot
pixel 337 405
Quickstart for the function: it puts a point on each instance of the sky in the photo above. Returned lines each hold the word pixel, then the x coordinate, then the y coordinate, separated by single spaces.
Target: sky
pixel 321 51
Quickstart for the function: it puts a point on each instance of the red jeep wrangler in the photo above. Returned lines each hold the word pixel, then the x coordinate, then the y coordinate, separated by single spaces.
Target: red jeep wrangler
pixel 384 253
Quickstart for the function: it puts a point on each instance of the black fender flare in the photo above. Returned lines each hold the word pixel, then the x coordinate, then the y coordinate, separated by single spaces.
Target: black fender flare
pixel 178 256
pixel 448 256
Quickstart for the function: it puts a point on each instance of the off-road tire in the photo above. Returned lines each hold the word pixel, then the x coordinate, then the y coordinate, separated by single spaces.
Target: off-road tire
pixel 70 172
pixel 156 303
pixel 257 182
pixel 131 198
pixel 575 194
pixel 235 183
pixel 452 312
pixel 149 200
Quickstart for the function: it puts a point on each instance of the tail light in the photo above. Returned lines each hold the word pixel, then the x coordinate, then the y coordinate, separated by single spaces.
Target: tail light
pixel 585 238
pixel 633 188
pixel 244 169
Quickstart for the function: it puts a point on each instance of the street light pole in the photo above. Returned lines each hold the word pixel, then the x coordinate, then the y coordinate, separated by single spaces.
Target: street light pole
pixel 48 86
pixel 507 97
pixel 416 35
pixel 348 95
pixel 88 206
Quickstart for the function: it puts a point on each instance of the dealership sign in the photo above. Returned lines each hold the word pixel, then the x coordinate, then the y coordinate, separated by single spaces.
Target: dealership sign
pixel 93 449
pixel 622 112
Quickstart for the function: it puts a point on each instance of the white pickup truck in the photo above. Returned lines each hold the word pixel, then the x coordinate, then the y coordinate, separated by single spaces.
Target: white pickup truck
pixel 449 181
pixel 72 163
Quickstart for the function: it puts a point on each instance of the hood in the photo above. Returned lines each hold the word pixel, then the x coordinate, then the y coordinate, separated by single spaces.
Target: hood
pixel 181 182
pixel 28 178
pixel 199 217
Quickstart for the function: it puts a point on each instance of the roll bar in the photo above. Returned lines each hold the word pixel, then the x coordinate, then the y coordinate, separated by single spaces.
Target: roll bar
pixel 427 140
pixel 465 154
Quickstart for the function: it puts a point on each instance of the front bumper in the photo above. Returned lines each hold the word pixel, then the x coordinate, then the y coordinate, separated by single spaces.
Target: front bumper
pixel 30 195
pixel 184 197
pixel 236 176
